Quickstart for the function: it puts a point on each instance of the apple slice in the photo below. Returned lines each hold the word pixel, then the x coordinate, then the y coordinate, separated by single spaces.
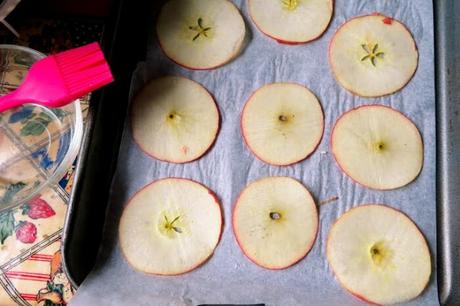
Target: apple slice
pixel 378 147
pixel 275 222
pixel 373 55
pixel 282 123
pixel 291 21
pixel 379 255
pixel 170 227
pixel 200 34
pixel 174 119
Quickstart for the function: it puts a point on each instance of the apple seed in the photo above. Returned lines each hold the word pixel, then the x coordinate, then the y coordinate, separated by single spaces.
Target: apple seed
pixel 380 146
pixel 379 253
pixel 173 116
pixel 283 118
pixel 275 216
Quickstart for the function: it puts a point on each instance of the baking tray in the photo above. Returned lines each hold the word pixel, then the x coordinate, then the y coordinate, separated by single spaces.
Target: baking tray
pixel 85 219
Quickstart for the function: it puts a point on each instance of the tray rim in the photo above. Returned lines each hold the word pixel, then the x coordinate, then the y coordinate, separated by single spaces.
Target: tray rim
pixel 122 58
pixel 447 128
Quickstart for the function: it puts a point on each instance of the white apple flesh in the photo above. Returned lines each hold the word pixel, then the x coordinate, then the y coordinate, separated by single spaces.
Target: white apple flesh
pixel 379 255
pixel 378 147
pixel 170 227
pixel 174 119
pixel 282 123
pixel 200 34
pixel 291 21
pixel 275 222
pixel 373 55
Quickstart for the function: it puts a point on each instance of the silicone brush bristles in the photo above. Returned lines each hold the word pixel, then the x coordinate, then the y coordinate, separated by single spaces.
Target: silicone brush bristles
pixel 57 80
pixel 83 69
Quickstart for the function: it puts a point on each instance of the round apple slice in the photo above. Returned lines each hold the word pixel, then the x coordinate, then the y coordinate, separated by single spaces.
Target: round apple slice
pixel 379 255
pixel 170 227
pixel 291 21
pixel 200 34
pixel 275 222
pixel 373 55
pixel 378 147
pixel 174 119
pixel 282 123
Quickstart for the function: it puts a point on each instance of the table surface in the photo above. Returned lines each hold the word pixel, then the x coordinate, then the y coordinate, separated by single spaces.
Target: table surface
pixel 31 273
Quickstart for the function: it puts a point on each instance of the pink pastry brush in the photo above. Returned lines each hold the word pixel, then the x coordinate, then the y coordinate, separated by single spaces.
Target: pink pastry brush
pixel 59 79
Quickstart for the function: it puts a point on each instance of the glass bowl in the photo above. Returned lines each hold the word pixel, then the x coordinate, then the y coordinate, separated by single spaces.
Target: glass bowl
pixel 37 144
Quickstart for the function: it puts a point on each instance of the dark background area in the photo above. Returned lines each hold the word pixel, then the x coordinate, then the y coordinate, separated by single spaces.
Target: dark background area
pixel 53 25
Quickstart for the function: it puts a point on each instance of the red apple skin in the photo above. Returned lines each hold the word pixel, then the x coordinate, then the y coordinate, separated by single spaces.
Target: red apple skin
pixel 235 232
pixel 216 202
pixel 207 68
pixel 354 294
pixel 335 156
pixel 290 43
pixel 384 20
pixel 295 43
pixel 247 143
pixel 219 123
pixel 363 299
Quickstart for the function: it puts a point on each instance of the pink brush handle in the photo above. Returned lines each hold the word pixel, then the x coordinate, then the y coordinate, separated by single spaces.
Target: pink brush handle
pixel 11 100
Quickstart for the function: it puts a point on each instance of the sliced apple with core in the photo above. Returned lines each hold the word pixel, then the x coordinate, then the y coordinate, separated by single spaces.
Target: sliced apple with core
pixel 170 227
pixel 378 147
pixel 373 55
pixel 282 123
pixel 174 119
pixel 379 255
pixel 275 222
pixel 200 34
pixel 291 21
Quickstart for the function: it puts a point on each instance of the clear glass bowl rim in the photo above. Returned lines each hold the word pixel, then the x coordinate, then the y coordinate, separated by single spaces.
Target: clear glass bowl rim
pixel 74 145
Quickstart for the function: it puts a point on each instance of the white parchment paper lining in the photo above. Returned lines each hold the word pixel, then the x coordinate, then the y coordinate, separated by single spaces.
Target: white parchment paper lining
pixel 229 277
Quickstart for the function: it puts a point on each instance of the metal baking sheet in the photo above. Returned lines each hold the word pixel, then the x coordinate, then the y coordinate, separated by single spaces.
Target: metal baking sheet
pixel 264 61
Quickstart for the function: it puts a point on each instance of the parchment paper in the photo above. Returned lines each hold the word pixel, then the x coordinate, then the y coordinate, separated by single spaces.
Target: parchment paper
pixel 229 277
